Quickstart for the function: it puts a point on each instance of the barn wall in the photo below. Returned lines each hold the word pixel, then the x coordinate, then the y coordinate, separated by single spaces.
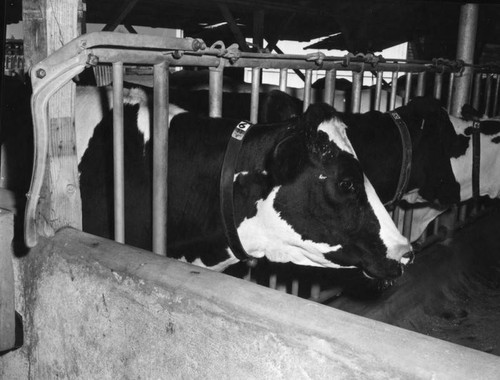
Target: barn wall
pixel 97 309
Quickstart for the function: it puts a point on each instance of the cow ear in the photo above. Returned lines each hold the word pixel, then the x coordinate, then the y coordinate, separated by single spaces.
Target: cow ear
pixel 288 158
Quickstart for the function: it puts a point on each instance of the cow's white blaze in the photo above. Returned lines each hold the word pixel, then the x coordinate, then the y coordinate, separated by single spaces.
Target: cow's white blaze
pixel 397 245
pixel 268 234
pixel 92 103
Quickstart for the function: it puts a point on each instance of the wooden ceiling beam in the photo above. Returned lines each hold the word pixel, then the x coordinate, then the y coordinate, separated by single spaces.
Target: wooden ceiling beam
pixel 228 16
pixel 125 9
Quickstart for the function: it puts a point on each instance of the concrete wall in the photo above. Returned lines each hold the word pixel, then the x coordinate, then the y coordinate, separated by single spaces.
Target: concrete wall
pixel 94 309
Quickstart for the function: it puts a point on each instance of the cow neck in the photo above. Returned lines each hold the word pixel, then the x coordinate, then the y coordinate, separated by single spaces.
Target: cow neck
pixel 404 174
pixel 226 192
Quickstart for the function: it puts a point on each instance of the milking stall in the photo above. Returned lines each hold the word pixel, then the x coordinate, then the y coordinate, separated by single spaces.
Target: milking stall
pixel 408 286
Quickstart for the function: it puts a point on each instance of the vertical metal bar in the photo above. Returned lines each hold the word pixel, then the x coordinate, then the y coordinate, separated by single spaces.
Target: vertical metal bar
pixel 465 51
pixel 407 88
pixel 487 99
pixel 283 79
pixel 215 92
pixel 357 83
pixel 295 287
pixel 438 85
pixel 273 281
pixel 450 92
pixel 407 224
pixel 307 89
pixel 330 78
pixel 378 90
pixel 495 101
pixel 160 156
pixel 421 84
pixel 118 153
pixel 476 92
pixel 394 84
pixel 254 102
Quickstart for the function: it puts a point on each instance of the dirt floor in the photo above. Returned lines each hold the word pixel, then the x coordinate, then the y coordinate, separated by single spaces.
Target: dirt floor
pixel 451 292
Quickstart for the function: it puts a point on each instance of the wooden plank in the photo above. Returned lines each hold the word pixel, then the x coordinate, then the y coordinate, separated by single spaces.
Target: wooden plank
pixel 7 311
pixel 122 13
pixel 49 25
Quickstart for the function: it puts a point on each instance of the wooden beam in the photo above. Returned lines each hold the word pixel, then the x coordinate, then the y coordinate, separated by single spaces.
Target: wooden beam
pixel 258 29
pixel 123 12
pixel 47 26
pixel 7 311
pixel 228 16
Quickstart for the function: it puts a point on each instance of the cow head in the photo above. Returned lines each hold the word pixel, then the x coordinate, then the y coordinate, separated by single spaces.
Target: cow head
pixel 322 210
pixel 435 142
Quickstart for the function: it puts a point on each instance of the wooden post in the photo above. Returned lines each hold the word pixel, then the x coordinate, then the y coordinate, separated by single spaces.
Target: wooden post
pixel 47 26
pixel 7 312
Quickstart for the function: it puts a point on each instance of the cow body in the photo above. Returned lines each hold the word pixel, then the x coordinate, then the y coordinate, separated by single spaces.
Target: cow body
pixel 299 193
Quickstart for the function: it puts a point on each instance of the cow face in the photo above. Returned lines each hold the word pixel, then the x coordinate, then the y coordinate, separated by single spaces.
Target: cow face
pixel 322 210
pixel 435 143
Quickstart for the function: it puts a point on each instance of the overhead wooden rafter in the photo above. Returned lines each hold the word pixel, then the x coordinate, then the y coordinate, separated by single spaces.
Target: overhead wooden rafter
pixel 235 29
pixel 124 11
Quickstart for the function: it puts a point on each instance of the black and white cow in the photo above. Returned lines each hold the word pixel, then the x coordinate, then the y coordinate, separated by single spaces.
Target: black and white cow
pixel 300 194
pixel 377 142
pixel 461 164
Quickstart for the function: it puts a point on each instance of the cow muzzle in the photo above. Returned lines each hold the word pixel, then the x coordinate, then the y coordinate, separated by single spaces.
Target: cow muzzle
pixel 389 269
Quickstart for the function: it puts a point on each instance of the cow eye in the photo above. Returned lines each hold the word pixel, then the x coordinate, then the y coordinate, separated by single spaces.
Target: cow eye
pixel 347 186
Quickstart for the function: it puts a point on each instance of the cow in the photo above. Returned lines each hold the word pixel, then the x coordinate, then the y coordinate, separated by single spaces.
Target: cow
pixel 300 195
pixel 461 163
pixel 377 142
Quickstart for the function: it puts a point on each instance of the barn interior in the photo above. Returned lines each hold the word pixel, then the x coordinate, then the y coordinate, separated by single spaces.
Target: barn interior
pixel 452 290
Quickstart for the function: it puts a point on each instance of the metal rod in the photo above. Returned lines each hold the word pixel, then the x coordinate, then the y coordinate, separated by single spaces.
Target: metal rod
pixel 394 84
pixel 378 90
pixel 487 99
pixel 465 51
pixel 407 224
pixel 497 90
pixel 307 89
pixel 476 92
pixel 407 88
pixel 450 92
pixel 160 157
pixel 118 153
pixel 357 83
pixel 438 85
pixel 421 84
pixel 215 92
pixel 254 103
pixel 330 78
pixel 283 79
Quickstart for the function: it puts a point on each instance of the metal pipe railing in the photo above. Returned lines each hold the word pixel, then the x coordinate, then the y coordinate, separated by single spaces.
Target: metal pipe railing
pixel 160 157
pixel 330 78
pixel 118 154
pixel 357 83
pixel 378 91
pixel 307 89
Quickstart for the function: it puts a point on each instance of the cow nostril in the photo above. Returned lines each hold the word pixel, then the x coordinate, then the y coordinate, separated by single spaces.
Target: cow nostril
pixel 408 258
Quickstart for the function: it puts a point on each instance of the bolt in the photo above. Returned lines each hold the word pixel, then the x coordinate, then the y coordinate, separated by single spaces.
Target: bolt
pixel 93 59
pixel 70 189
pixel 198 44
pixel 40 73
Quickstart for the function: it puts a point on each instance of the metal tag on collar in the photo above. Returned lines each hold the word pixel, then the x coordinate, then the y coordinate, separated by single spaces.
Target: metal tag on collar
pixel 240 130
